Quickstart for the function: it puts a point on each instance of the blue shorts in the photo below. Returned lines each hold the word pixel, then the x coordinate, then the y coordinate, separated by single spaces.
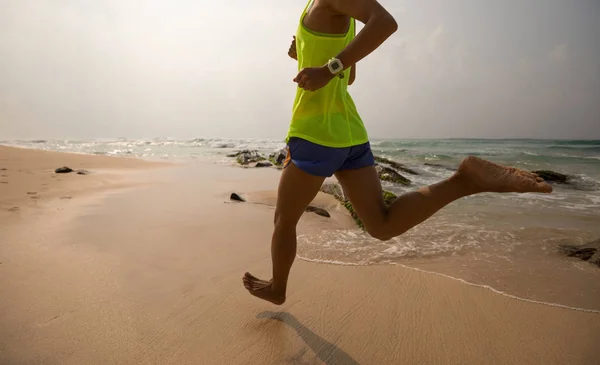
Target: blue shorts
pixel 324 161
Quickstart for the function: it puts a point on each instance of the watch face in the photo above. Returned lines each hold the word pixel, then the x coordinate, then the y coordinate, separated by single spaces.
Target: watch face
pixel 335 66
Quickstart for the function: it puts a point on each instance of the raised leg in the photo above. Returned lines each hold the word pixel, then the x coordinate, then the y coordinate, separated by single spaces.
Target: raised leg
pixel 296 190
pixel 363 188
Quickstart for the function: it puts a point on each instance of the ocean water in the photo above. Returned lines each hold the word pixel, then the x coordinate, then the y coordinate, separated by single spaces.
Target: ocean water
pixel 504 242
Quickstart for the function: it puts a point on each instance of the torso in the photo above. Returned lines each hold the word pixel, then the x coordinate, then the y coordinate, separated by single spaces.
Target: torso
pixel 320 18
pixel 327 116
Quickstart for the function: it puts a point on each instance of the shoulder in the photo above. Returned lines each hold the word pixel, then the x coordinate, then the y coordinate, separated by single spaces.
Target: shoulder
pixel 358 9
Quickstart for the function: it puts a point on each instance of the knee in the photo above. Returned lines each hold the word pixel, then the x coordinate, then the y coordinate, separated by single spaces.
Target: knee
pixel 281 219
pixel 379 232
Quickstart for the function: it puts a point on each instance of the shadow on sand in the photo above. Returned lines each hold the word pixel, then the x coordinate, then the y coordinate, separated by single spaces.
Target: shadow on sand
pixel 327 352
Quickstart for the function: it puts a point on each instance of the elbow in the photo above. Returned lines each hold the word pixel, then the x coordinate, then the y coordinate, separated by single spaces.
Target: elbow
pixel 388 23
pixel 391 24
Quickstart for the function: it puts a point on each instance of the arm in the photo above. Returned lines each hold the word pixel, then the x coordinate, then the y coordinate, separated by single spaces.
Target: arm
pixel 353 69
pixel 292 51
pixel 379 25
pixel 352 75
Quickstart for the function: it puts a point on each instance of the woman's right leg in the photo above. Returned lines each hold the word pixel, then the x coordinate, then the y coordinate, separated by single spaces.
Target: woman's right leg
pixel 296 190
pixel 363 188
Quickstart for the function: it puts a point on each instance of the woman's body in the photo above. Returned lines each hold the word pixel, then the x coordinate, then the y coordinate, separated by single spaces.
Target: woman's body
pixel 327 137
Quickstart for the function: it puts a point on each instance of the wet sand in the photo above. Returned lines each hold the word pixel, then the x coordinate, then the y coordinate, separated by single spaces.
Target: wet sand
pixel 143 265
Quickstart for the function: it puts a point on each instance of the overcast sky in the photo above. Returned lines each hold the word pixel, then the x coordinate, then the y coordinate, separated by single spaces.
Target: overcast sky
pixel 199 68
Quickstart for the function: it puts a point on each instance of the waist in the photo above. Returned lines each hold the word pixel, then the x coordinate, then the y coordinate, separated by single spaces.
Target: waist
pixel 332 125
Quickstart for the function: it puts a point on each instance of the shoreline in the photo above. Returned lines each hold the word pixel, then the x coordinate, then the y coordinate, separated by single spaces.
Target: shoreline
pixel 153 275
pixel 463 281
pixel 115 179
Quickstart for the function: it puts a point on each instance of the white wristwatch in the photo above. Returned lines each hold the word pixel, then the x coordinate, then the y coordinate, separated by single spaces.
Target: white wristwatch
pixel 336 67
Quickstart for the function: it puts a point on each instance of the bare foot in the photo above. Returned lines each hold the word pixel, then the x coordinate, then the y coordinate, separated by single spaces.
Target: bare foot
pixel 487 176
pixel 262 289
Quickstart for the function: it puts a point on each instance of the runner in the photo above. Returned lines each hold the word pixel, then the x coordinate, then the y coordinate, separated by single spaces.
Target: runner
pixel 327 137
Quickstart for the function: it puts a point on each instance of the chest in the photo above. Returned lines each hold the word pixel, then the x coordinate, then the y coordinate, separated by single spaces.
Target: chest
pixel 320 18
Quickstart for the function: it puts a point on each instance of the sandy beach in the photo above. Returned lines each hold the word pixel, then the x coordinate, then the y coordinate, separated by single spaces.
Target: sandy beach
pixel 141 263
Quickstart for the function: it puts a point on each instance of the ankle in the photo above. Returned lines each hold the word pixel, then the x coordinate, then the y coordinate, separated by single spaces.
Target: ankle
pixel 278 290
pixel 463 185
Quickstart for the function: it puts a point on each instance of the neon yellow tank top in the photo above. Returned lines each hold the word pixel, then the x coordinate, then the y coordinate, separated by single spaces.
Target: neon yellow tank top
pixel 328 116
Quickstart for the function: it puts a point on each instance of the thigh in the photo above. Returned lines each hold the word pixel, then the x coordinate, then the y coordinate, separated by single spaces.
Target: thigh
pixel 359 156
pixel 363 188
pixel 296 190
pixel 315 159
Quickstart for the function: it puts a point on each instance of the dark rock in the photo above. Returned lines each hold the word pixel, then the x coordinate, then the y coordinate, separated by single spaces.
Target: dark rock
pixel 389 174
pixel 63 170
pixel 236 197
pixel 395 165
pixel 319 211
pixel 595 259
pixel 335 190
pixel 449 168
pixel 552 176
pixel 235 154
pixel 82 172
pixel 277 158
pixel 589 252
pixel 388 198
pixel 246 156
pixel 3 169
pixel 31 192
pixel 263 164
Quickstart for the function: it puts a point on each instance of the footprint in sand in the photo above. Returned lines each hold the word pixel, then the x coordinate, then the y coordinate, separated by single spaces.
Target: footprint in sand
pixel 14 209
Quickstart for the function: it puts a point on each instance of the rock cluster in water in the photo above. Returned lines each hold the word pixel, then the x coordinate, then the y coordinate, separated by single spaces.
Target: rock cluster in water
pixel 335 190
pixel 589 252
pixel 245 157
pixel 395 165
pixel 387 170
pixel 552 176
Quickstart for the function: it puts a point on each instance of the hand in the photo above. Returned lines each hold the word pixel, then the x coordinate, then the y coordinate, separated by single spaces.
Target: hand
pixel 313 78
pixel 292 51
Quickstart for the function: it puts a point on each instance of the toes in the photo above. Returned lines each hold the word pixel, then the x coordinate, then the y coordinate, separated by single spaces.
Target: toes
pixel 546 188
pixel 253 284
pixel 254 279
pixel 543 187
pixel 534 182
pixel 527 174
pixel 248 284
pixel 251 277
